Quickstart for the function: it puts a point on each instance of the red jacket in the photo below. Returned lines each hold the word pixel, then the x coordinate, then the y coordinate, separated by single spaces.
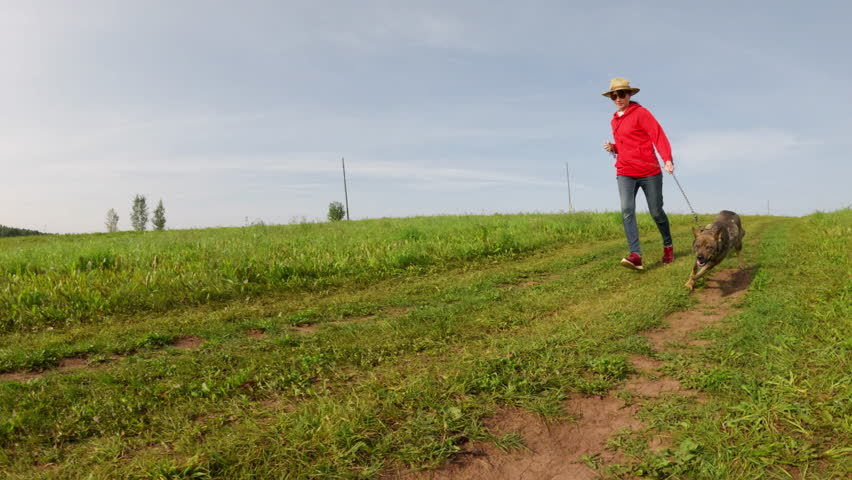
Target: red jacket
pixel 636 133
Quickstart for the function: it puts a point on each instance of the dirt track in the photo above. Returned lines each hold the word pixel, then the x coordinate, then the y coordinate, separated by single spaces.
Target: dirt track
pixel 556 451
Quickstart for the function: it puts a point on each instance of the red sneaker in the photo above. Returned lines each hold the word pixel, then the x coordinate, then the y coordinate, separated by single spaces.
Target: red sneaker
pixel 668 254
pixel 633 261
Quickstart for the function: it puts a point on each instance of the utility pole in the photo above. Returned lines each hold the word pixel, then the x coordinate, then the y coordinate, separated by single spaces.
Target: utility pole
pixel 568 175
pixel 345 192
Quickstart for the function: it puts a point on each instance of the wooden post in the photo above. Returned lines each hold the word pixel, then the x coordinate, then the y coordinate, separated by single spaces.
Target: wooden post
pixel 345 191
pixel 568 175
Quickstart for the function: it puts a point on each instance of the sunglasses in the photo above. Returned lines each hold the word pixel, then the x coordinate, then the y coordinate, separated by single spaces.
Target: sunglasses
pixel 619 94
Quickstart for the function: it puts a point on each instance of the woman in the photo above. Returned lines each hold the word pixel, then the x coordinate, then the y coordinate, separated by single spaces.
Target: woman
pixel 636 133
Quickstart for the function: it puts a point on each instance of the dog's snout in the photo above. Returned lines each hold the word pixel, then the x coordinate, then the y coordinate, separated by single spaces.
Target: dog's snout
pixel 700 258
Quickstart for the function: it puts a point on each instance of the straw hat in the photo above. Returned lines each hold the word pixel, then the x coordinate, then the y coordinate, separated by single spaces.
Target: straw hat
pixel 619 83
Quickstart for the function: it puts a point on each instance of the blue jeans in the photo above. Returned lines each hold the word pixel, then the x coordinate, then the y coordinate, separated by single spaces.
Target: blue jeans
pixel 652 187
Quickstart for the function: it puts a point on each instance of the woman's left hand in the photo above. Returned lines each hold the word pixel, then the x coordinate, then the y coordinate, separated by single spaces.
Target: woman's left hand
pixel 669 166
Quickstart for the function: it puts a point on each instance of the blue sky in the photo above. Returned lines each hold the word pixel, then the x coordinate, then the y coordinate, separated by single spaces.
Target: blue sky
pixel 231 110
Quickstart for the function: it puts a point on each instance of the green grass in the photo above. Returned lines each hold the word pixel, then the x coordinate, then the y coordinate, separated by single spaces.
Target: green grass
pixel 411 331
pixel 52 281
pixel 779 371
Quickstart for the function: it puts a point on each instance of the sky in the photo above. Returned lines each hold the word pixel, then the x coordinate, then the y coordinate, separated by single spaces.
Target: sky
pixel 234 112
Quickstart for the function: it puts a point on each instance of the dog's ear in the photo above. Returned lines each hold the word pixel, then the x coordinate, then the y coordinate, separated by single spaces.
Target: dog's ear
pixel 718 235
pixel 695 232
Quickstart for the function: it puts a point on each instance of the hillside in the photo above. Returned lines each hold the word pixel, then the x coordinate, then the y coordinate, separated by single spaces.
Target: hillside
pixel 445 347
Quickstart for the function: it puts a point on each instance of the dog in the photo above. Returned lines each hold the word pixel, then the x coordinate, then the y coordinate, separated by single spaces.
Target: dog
pixel 714 242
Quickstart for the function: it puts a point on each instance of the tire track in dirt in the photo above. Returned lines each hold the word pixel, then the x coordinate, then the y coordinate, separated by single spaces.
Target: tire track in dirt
pixel 82 363
pixel 568 450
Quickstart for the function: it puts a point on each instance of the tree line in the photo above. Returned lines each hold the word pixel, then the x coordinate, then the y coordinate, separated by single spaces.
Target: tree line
pixel 17 232
pixel 139 216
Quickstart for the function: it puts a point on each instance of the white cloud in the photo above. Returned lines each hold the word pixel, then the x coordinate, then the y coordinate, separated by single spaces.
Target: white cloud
pixel 254 103
pixel 715 151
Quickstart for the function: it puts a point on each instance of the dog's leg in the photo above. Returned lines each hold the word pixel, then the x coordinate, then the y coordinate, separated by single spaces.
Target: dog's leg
pixel 695 276
pixel 740 261
pixel 690 284
pixel 707 266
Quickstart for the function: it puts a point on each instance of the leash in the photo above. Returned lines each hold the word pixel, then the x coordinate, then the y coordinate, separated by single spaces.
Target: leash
pixel 694 215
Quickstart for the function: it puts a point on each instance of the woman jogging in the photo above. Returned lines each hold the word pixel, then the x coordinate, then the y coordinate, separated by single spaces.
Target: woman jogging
pixel 636 133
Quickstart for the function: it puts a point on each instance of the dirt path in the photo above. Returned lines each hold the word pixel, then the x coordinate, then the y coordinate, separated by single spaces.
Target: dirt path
pixel 567 450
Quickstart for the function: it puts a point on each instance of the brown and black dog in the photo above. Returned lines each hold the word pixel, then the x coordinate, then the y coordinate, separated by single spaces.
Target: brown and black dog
pixel 714 242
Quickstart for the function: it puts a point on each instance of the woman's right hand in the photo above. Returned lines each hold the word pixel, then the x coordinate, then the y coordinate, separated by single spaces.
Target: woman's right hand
pixel 609 147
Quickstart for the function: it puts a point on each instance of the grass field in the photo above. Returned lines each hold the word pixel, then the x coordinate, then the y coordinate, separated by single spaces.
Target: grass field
pixel 363 349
